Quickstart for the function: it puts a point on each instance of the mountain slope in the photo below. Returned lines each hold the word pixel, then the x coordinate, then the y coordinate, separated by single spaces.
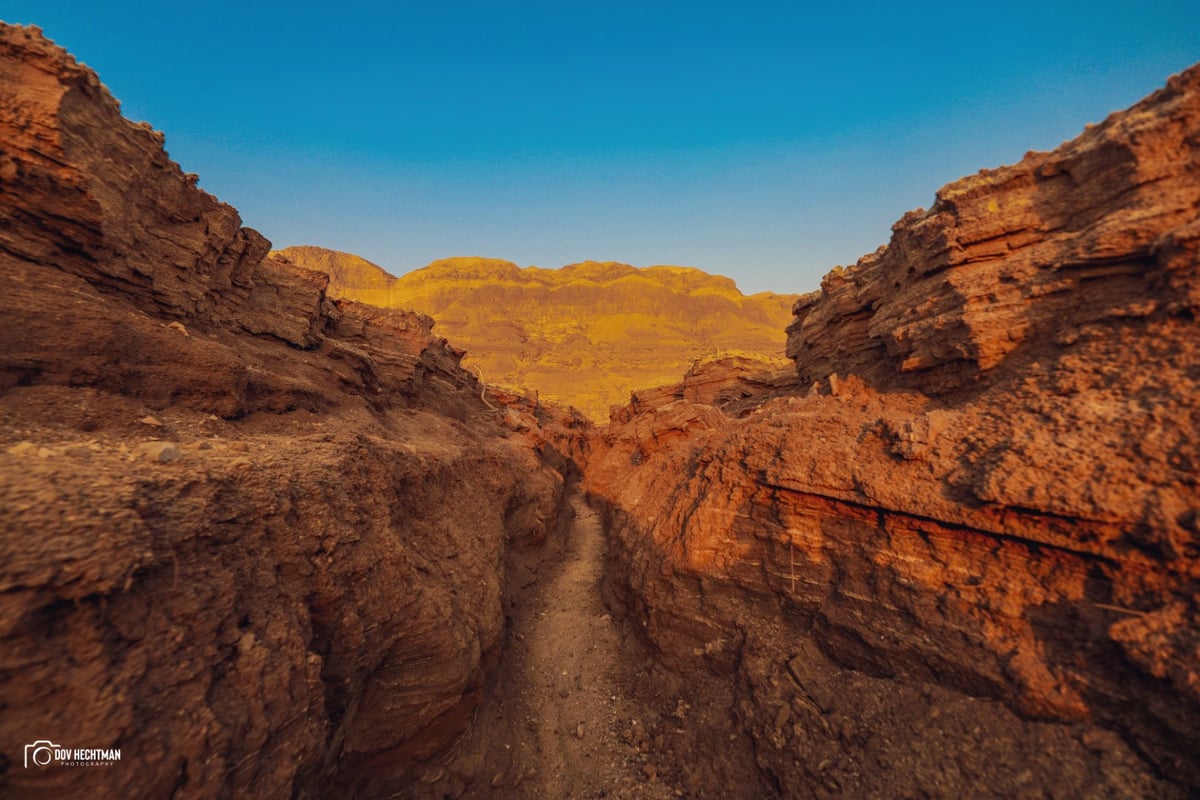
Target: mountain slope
pixel 355 278
pixel 586 334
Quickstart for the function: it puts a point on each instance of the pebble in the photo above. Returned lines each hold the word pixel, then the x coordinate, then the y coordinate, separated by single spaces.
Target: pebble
pixel 158 452
pixel 23 449
pixel 153 422
pixel 781 717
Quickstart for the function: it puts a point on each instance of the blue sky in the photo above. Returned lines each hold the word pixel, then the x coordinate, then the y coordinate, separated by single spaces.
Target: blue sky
pixel 764 141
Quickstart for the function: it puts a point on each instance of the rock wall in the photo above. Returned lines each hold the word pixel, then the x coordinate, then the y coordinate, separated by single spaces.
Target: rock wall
pixel 253 538
pixel 963 558
pixel 257 539
pixel 1016 264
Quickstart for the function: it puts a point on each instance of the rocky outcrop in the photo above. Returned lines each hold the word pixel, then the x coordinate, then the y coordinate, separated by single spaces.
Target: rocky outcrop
pixel 734 384
pixel 962 559
pixel 1014 264
pixel 260 540
pixel 586 334
pixel 253 538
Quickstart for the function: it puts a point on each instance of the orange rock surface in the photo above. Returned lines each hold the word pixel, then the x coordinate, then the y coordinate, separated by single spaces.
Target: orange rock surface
pixel 963 555
pixel 270 542
pixel 584 335
pixel 253 538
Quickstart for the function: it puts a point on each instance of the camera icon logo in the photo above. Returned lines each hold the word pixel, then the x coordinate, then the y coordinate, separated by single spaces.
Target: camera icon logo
pixel 41 752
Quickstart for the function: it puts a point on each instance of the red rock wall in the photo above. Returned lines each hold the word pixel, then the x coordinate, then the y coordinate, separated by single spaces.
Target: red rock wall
pixel 965 560
pixel 252 538
pixel 1015 263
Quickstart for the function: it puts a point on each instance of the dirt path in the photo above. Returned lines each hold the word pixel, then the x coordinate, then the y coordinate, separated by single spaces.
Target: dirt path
pixel 562 721
pixel 578 680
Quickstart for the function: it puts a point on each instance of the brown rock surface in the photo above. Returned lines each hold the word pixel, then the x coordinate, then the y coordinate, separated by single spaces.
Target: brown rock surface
pixel 273 544
pixel 253 538
pixel 734 384
pixel 963 560
pixel 584 335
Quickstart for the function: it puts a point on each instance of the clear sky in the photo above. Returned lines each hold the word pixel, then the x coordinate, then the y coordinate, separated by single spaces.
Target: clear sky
pixel 764 141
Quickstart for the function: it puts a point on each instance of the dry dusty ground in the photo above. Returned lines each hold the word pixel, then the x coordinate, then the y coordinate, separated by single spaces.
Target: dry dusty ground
pixel 580 710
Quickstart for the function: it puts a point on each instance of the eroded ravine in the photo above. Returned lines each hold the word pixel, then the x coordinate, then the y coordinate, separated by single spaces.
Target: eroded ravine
pixel 576 681
pixel 952 553
pixel 566 717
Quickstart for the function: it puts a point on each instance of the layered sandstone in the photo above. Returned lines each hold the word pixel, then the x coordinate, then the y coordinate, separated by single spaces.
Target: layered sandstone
pixel 253 537
pixel 261 540
pixel 585 335
pixel 962 558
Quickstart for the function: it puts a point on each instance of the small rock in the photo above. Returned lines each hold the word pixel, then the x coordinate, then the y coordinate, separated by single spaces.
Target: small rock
pixel 781 717
pixel 158 452
pixel 579 731
pixel 179 326
pixel 22 449
pixel 153 422
pixel 795 668
pixel 1096 740
pixel 846 729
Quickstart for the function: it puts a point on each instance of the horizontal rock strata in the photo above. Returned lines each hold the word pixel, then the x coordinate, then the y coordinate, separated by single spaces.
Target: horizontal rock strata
pixel 963 558
pixel 253 538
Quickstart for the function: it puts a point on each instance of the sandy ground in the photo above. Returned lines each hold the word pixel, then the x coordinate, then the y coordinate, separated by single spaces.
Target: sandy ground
pixel 568 717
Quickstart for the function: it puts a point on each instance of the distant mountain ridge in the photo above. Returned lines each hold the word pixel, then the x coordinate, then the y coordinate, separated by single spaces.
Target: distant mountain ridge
pixel 353 275
pixel 586 334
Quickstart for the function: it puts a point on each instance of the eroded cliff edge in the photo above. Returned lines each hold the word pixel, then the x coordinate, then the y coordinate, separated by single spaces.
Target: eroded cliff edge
pixel 960 555
pixel 253 538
